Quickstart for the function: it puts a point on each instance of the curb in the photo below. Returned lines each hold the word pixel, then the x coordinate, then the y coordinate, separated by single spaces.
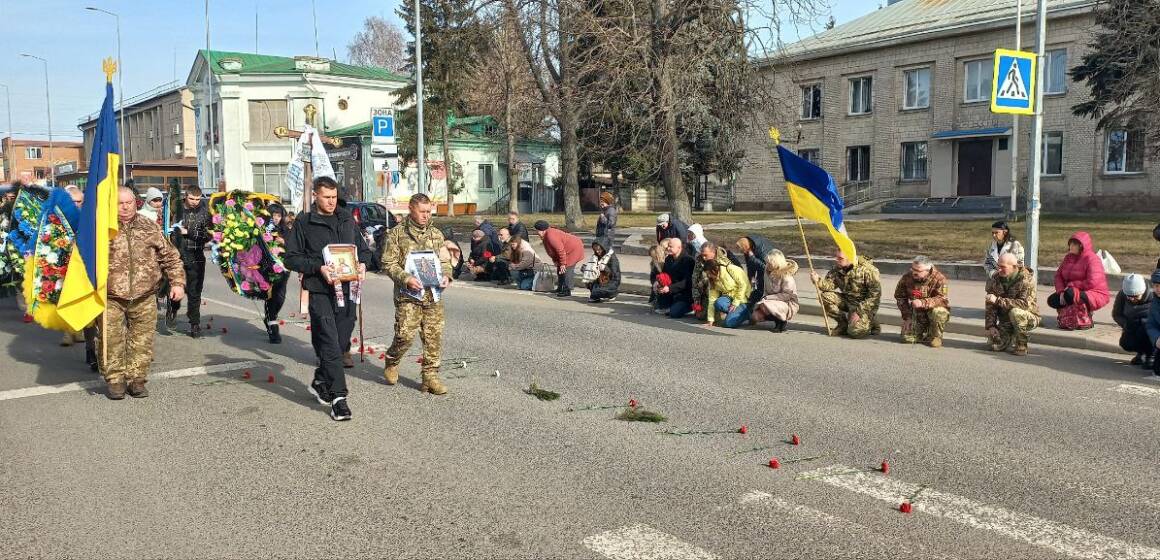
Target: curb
pixel 969 327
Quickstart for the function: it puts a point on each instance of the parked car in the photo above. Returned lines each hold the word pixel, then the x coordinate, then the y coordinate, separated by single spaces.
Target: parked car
pixel 374 220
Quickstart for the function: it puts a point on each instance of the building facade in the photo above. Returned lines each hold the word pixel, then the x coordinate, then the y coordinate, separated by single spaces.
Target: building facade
pixel 159 137
pixel 896 105
pixel 35 160
pixel 249 95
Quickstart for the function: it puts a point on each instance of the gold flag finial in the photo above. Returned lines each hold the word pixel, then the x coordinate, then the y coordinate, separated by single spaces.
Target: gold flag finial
pixel 110 67
pixel 775 135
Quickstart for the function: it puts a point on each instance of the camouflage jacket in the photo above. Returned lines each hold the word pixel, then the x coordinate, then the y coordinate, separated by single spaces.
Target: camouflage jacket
pixel 407 237
pixel 1015 292
pixel 138 256
pixel 860 286
pixel 932 290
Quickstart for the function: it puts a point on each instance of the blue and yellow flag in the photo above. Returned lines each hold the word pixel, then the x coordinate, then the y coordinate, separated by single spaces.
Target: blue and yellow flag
pixel 83 294
pixel 815 197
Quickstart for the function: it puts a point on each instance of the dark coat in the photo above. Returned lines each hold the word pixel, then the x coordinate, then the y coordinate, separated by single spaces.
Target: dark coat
pixel 680 269
pixel 606 223
pixel 1125 312
pixel 755 266
pixel 518 229
pixel 610 279
pixel 676 229
pixel 309 236
pixel 491 233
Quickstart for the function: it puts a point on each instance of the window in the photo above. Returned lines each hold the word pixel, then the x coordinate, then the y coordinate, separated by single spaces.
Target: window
pixel 917 84
pixel 977 81
pixel 1055 71
pixel 178 148
pixel 861 95
pixel 265 115
pixel 812 101
pixel 914 161
pixel 33 153
pixel 857 164
pixel 176 129
pixel 486 178
pixel 1053 153
pixel 1125 149
pixel 270 178
pixel 812 155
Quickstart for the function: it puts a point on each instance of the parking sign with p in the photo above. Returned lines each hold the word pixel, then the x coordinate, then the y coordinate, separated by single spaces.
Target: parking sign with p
pixel 1013 86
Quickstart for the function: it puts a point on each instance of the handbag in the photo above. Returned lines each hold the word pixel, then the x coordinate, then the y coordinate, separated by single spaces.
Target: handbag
pixel 588 272
pixel 545 279
pixel 1075 317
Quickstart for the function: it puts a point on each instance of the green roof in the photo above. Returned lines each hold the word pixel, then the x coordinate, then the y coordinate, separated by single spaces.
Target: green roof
pixel 362 129
pixel 250 63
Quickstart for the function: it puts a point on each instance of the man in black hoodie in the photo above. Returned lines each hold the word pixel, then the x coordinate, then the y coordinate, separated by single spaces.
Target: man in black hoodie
pixel 278 291
pixel 193 230
pixel 331 324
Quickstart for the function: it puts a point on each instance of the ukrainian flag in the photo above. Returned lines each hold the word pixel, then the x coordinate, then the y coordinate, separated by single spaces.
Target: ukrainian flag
pixel 815 197
pixel 83 294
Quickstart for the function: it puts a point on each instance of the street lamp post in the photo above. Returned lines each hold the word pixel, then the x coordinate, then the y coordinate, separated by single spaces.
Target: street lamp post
pixel 8 100
pixel 120 91
pixel 420 156
pixel 48 107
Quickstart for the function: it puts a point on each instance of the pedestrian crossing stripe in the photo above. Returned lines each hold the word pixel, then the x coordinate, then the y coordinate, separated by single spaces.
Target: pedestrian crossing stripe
pixel 1013 83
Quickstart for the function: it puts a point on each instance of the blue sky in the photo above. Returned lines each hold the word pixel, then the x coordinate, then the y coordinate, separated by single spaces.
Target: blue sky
pixel 75 40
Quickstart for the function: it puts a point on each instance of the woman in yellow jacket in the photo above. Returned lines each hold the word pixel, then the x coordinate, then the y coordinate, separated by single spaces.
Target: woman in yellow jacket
pixel 728 291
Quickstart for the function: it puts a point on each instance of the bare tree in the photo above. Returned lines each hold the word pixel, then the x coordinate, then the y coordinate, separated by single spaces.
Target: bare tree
pixel 547 38
pixel 380 44
pixel 505 89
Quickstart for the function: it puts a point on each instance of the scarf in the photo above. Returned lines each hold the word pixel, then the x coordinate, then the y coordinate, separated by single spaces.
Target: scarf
pixel 602 264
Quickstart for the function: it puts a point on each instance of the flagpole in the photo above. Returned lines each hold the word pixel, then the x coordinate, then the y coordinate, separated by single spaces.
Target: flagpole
pixel 810 260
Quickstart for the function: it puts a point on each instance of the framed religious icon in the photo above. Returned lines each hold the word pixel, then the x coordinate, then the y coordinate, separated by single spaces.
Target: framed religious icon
pixel 424 265
pixel 344 258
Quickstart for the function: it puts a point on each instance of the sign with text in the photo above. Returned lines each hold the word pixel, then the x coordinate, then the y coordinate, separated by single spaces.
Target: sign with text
pixel 383 125
pixel 1013 86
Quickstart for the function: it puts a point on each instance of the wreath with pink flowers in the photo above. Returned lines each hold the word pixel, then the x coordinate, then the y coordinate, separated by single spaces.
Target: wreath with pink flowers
pixel 244 244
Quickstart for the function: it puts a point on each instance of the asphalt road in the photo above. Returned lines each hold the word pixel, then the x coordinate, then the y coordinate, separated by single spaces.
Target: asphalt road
pixel 1050 456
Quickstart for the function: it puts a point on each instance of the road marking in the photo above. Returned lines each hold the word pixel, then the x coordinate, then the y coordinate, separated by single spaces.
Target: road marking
pixel 230 305
pixel 641 542
pixel 85 385
pixel 1116 405
pixel 1061 538
pixel 1138 390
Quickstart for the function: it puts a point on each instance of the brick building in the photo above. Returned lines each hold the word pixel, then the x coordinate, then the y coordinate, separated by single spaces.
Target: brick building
pixel 895 105
pixel 33 160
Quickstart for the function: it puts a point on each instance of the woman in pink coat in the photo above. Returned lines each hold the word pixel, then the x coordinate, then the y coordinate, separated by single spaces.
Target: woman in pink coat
pixel 1080 284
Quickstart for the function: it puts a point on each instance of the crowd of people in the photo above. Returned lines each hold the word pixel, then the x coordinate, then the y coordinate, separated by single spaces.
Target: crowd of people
pixel 748 283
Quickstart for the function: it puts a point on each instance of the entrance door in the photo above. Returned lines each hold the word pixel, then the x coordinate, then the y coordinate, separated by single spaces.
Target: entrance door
pixel 975 167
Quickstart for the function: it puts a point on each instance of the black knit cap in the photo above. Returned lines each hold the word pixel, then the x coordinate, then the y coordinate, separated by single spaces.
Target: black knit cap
pixel 541 225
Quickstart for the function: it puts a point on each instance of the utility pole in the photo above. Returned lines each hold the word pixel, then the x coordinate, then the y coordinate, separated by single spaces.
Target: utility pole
pixel 1032 258
pixel 422 161
pixel 8 100
pixel 1015 139
pixel 209 143
pixel 48 107
pixel 314 12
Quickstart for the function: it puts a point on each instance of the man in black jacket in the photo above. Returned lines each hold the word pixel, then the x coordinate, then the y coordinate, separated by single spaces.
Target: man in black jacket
pixel 515 227
pixel 190 239
pixel 331 323
pixel 677 296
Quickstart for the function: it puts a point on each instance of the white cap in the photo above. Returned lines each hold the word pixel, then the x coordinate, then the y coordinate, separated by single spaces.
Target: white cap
pixel 1134 285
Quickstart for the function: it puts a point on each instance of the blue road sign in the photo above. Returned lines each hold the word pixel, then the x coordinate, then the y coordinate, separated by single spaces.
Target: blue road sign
pixel 1013 86
pixel 383 126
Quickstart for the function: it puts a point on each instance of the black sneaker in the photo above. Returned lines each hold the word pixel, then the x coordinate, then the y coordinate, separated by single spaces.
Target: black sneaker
pixel 322 395
pixel 275 335
pixel 340 410
pixel 195 330
pixel 1138 360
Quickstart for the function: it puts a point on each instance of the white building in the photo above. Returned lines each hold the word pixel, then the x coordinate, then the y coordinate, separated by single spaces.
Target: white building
pixel 252 94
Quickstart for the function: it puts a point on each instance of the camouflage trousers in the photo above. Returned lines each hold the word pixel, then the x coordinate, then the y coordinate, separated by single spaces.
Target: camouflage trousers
pixel 1014 327
pixel 926 325
pixel 131 325
pixel 425 318
pixel 835 306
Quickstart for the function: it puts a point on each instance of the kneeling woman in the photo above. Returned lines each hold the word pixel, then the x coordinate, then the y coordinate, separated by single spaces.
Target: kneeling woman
pixel 728 289
pixel 780 302
pixel 607 282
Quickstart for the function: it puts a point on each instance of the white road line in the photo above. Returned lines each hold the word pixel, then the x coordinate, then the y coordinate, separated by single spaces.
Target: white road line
pixel 1138 390
pixel 641 542
pixel 1061 538
pixel 230 305
pixel 85 385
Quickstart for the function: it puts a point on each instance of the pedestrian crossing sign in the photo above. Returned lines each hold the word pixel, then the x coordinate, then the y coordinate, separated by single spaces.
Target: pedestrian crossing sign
pixel 1013 86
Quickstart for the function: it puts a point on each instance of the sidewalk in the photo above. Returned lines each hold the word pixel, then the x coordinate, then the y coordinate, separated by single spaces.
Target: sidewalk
pixel 967 307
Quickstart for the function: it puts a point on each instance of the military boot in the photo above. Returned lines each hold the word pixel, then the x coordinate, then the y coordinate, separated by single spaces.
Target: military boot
pixel 116 390
pixel 137 389
pixel 432 384
pixel 391 374
pixel 1020 346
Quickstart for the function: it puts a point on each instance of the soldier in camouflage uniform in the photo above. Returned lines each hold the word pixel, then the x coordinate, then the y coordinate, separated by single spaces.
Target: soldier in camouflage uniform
pixel 922 298
pixel 138 256
pixel 1012 306
pixel 416 234
pixel 850 294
